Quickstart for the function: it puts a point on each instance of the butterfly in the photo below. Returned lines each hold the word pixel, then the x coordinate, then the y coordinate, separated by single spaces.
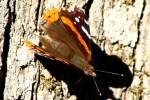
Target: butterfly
pixel 66 37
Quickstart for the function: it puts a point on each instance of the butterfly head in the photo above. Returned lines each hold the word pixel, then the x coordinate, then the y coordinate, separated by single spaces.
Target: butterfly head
pixel 90 71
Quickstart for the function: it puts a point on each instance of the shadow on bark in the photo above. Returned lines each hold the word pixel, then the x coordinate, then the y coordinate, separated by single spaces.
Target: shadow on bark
pixel 85 88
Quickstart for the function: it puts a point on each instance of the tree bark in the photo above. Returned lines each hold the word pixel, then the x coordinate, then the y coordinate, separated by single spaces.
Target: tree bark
pixel 119 27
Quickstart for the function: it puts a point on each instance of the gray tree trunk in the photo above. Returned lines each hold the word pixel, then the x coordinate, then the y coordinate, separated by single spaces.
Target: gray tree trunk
pixel 118 27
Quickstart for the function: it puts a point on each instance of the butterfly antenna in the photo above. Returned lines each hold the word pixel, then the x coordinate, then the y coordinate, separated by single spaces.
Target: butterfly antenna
pixel 102 71
pixel 98 90
pixel 79 80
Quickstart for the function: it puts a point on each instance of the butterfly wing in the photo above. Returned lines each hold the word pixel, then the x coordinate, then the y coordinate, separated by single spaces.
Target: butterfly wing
pixel 43 52
pixel 66 38
pixel 71 28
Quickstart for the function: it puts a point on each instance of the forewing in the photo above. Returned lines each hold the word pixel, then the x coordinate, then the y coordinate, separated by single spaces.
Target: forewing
pixel 70 27
pixel 78 29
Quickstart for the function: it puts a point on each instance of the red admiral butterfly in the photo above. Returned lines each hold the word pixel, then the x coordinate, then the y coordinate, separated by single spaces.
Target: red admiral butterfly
pixel 66 38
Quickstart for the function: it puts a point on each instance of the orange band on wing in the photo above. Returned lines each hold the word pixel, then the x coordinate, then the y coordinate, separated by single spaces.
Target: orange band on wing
pixel 70 24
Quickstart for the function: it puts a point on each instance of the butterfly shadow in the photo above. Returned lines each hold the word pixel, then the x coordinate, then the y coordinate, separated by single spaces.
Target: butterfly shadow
pixel 83 86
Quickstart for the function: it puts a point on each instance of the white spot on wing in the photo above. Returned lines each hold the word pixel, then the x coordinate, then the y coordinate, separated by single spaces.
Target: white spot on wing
pixel 74 22
pixel 77 19
pixel 86 32
pixel 86 21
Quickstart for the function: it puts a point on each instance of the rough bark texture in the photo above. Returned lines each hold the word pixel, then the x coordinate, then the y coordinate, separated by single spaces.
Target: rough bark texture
pixel 121 28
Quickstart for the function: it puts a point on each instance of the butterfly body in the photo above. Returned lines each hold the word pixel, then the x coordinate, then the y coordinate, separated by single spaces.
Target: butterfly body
pixel 66 38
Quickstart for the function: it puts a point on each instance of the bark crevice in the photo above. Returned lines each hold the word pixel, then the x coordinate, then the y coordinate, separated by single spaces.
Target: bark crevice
pixel 139 32
pixel 14 11
pixel 6 48
pixel 87 7
pixel 139 24
pixel 38 13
